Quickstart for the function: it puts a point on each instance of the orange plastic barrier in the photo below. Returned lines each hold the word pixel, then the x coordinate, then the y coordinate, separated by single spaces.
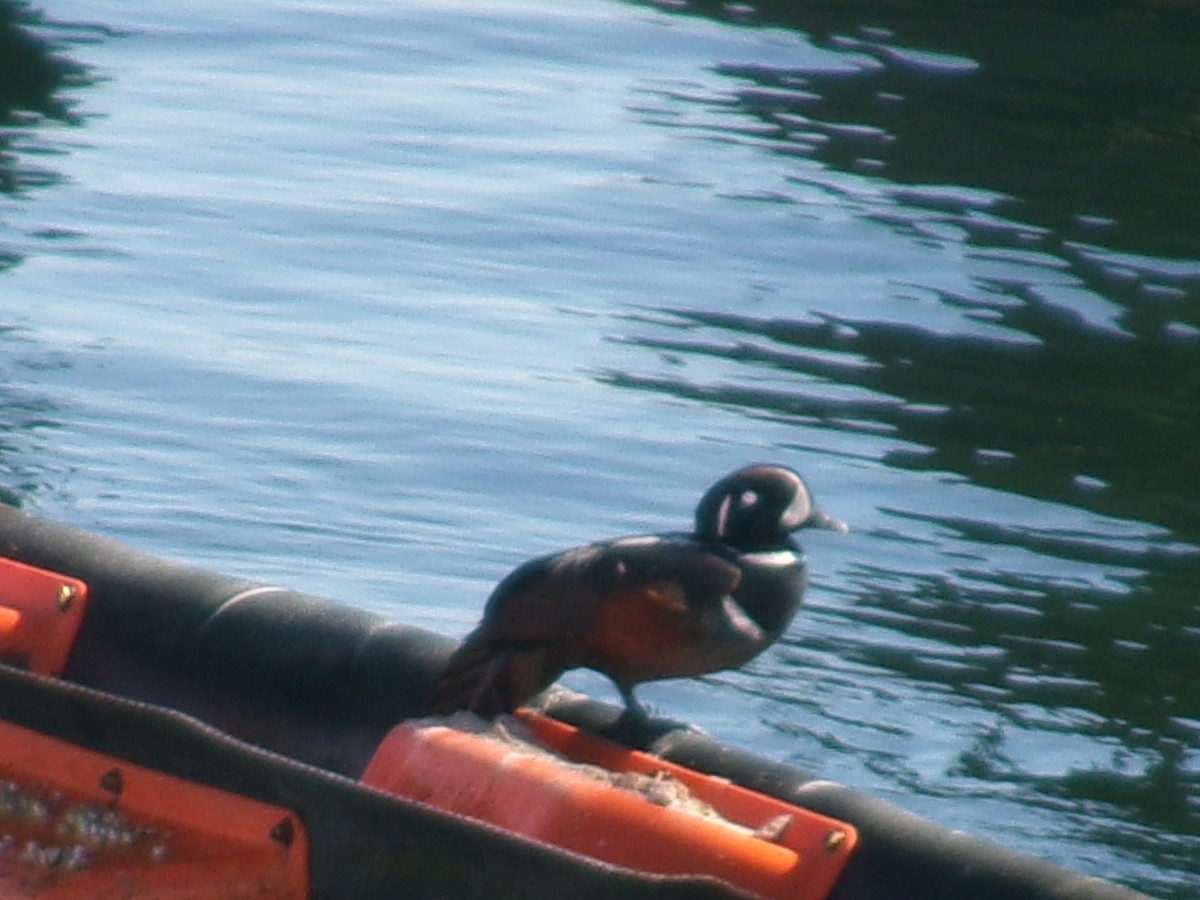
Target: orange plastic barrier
pixel 40 614
pixel 759 844
pixel 76 825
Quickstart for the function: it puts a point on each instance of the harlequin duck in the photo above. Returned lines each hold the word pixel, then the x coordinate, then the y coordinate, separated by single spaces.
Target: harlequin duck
pixel 644 608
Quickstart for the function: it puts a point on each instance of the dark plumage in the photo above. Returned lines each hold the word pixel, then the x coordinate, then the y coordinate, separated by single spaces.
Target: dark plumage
pixel 644 608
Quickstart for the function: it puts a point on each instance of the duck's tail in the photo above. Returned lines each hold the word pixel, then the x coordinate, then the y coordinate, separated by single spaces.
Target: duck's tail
pixel 489 679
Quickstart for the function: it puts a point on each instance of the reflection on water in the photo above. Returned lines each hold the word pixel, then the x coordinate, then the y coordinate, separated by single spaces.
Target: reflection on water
pixel 36 80
pixel 1065 369
pixel 25 416
pixel 1084 117
pixel 1062 412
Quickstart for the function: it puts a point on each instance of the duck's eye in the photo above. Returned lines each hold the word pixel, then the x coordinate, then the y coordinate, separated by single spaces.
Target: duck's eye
pixel 748 499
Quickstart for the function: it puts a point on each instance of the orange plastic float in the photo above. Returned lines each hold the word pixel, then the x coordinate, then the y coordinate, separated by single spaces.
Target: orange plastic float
pixel 40 614
pixel 756 843
pixel 76 825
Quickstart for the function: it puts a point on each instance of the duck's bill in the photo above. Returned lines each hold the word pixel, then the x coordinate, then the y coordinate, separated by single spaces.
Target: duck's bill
pixel 818 519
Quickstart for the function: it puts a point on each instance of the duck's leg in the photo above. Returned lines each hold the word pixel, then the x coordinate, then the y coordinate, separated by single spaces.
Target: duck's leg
pixel 635 720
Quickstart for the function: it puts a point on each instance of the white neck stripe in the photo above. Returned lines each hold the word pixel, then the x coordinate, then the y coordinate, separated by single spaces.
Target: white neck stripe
pixel 772 558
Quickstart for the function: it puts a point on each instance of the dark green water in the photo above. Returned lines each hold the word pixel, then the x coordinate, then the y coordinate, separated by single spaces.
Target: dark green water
pixel 378 300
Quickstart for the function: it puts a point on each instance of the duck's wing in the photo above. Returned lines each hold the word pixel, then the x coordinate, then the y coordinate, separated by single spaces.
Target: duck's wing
pixel 539 621
pixel 558 598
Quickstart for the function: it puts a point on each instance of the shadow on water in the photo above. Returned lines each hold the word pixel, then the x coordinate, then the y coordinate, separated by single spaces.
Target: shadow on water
pixel 38 81
pixel 1062 138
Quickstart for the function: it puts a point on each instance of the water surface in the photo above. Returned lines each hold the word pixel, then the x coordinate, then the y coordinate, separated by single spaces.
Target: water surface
pixel 377 300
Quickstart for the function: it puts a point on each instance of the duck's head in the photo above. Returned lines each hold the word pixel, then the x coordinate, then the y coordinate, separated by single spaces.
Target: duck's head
pixel 757 508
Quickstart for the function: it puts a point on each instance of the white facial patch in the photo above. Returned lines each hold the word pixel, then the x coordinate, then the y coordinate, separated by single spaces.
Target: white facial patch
pixel 738 618
pixel 723 516
pixel 799 509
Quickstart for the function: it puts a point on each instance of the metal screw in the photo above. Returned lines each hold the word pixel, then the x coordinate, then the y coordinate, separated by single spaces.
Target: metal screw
pixel 65 597
pixel 283 832
pixel 113 782
pixel 834 840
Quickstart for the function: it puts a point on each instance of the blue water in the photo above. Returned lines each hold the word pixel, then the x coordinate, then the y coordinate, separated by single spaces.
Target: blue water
pixel 377 300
